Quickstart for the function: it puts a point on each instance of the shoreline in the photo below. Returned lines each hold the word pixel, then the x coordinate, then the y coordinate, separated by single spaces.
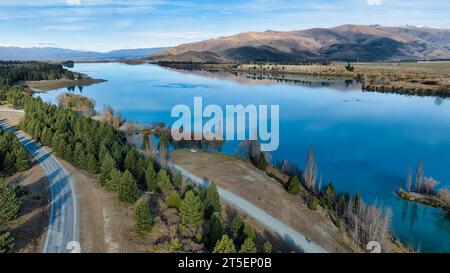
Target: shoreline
pixel 420 78
pixel 49 85
pixel 425 199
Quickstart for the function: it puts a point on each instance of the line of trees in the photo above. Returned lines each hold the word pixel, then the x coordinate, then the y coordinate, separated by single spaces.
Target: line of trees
pixel 9 208
pixel 12 72
pixel 13 156
pixel 200 214
pixel 99 149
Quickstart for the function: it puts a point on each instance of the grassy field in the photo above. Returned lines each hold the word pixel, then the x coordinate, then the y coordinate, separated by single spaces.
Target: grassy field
pixel 418 78
pixel 46 85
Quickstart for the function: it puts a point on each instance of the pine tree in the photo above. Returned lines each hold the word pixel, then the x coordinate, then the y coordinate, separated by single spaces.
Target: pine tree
pixel 163 181
pixel 173 200
pixel 115 179
pixel 212 201
pixel 248 233
pixel 128 190
pixel 135 164
pixel 267 247
pixel 102 152
pixel 262 163
pixel 9 203
pixel 46 138
pixel 22 159
pixel 327 198
pixel 108 165
pixel 216 229
pixel 248 246
pixel 37 131
pixel 130 160
pixel 149 162
pixel 91 164
pixel 225 245
pixel 142 216
pixel 8 164
pixel 190 210
pixel 150 179
pixel 6 241
pixel 140 171
pixel 177 178
pixel 294 185
pixel 236 229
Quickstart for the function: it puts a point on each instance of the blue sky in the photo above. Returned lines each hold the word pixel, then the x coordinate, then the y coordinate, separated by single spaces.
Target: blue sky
pixel 104 25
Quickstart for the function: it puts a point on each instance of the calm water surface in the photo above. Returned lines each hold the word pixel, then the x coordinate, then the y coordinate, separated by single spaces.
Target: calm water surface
pixel 363 141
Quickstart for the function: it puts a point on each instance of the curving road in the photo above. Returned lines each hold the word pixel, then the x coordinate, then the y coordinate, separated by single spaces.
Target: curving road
pixel 62 233
pixel 303 243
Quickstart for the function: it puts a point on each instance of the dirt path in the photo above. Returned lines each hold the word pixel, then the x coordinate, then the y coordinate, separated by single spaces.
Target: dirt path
pixel 244 180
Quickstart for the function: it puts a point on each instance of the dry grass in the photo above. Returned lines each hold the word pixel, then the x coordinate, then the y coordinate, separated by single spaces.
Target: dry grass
pixel 46 85
pixel 419 78
pixel 243 179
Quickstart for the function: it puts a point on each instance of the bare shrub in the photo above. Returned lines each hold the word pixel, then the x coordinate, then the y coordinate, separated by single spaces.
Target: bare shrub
pixel 112 117
pixel 419 176
pixel 427 185
pixel 368 223
pixel 310 173
pixel 409 180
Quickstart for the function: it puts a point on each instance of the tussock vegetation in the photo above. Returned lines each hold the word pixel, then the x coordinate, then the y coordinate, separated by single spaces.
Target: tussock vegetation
pixel 414 78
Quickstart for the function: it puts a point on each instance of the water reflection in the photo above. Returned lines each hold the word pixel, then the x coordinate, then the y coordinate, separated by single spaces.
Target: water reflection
pixel 413 216
pixel 443 222
pixel 268 78
pixel 404 211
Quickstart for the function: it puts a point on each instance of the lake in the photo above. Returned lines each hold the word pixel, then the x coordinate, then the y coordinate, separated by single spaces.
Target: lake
pixel 363 141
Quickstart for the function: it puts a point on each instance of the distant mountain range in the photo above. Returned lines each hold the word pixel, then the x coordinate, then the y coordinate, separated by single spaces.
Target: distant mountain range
pixel 59 54
pixel 346 42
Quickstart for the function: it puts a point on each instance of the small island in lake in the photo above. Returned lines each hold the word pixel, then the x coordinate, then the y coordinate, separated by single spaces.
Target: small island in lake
pixel 79 79
pixel 423 191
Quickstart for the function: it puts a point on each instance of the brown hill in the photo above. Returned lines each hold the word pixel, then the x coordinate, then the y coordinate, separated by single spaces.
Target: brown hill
pixel 347 42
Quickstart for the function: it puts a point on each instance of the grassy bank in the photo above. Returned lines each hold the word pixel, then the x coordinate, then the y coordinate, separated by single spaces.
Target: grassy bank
pixel 271 191
pixel 433 200
pixel 46 85
pixel 414 78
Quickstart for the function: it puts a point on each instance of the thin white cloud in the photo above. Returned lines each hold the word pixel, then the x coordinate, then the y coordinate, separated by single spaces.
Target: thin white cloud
pixel 73 2
pixel 45 44
pixel 374 2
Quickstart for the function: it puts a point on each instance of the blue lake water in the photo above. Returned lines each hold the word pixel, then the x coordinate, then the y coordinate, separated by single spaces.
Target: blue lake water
pixel 363 141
